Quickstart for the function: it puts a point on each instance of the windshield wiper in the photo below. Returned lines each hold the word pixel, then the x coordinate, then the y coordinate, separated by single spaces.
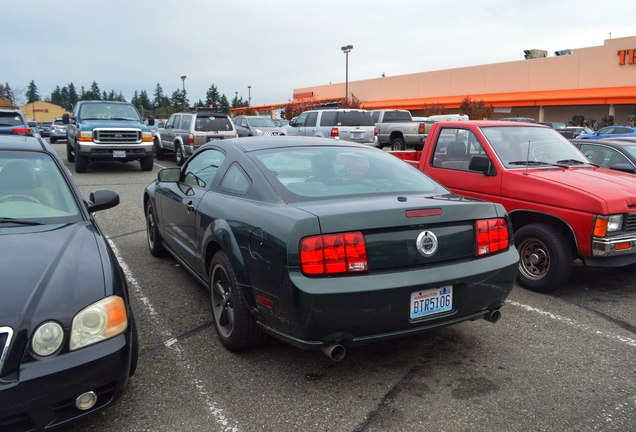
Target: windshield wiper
pixel 559 164
pixel 571 162
pixel 20 221
pixel 121 118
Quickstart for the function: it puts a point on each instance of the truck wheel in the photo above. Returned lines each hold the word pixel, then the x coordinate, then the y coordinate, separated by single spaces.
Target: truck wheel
pixel 398 144
pixel 69 153
pixel 545 258
pixel 159 151
pixel 147 163
pixel 178 154
pixel 81 163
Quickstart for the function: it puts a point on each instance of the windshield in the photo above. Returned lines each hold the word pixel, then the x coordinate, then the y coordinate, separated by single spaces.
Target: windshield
pixel 261 122
pixel 518 146
pixel 33 188
pixel 99 111
pixel 309 174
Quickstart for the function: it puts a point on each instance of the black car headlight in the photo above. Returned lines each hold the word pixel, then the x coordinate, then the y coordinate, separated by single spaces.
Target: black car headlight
pixel 101 320
pixel 48 338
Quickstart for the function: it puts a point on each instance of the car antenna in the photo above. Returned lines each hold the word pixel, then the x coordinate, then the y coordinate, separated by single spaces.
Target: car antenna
pixel 527 158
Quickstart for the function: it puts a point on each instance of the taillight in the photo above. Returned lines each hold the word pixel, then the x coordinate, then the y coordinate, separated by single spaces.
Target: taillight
pixel 333 254
pixel 491 236
pixel 335 132
pixel 53 127
pixel 22 130
pixel 375 131
pixel 190 139
pixel 421 129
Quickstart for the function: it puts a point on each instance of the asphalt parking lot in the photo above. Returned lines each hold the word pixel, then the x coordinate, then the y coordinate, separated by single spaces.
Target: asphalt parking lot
pixel 559 362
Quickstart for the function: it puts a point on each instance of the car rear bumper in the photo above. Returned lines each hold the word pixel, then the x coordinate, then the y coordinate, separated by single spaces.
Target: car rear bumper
pixel 360 309
pixel 44 394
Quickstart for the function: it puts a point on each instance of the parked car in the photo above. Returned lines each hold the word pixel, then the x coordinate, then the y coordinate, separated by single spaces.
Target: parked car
pixel 13 122
pixel 554 125
pixel 280 122
pixel 612 153
pixel 578 130
pixel 338 123
pixel 519 119
pixel 186 131
pixel 45 128
pixel 58 131
pixel 248 126
pixel 327 244
pixel 68 341
pixel 610 132
pixel 35 130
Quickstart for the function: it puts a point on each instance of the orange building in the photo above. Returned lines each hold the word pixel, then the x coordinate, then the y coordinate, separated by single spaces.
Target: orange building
pixel 592 82
pixel 42 111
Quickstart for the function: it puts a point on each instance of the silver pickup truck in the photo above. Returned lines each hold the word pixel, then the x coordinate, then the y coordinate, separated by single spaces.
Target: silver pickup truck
pixel 397 129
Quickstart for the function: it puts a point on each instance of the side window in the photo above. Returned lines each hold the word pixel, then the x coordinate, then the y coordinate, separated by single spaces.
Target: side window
pixel 177 120
pixel 236 180
pixel 616 158
pixel 596 154
pixel 455 148
pixel 185 122
pixel 311 119
pixel 328 118
pixel 170 122
pixel 300 121
pixel 376 116
pixel 202 168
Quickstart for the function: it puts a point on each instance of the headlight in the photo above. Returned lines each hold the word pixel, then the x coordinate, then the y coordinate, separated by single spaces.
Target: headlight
pixel 86 135
pixel 101 320
pixel 607 224
pixel 614 223
pixel 258 132
pixel 146 136
pixel 48 338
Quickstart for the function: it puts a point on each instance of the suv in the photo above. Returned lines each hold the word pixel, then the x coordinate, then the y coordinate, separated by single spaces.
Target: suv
pixel 186 131
pixel 13 122
pixel 107 130
pixel 340 123
pixel 57 131
pixel 255 126
pixel 45 128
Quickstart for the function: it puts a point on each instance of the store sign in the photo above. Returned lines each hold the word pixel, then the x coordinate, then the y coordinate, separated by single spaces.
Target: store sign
pixel 303 95
pixel 626 56
pixel 44 110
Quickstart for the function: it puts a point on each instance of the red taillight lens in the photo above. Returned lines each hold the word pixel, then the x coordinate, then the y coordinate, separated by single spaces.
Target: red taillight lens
pixel 491 236
pixel 335 132
pixel 22 131
pixel 190 139
pixel 421 129
pixel 53 127
pixel 333 253
pixel 375 131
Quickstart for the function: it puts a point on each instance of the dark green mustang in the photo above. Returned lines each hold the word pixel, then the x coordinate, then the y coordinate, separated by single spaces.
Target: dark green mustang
pixel 327 244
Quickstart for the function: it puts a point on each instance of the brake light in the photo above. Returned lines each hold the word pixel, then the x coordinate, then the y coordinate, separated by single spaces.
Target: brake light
pixel 335 132
pixel 421 129
pixel 53 127
pixel 491 236
pixel 375 131
pixel 22 130
pixel 190 139
pixel 333 254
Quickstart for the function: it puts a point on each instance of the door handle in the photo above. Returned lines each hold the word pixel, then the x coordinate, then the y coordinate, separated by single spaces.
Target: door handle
pixel 190 207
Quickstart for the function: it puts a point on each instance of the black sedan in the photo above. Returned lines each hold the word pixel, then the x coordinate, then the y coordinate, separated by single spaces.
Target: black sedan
pixel 327 244
pixel 615 153
pixel 67 335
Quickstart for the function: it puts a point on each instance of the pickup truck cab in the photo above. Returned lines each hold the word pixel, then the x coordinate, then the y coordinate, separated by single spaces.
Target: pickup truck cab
pixel 396 128
pixel 562 206
pixel 107 130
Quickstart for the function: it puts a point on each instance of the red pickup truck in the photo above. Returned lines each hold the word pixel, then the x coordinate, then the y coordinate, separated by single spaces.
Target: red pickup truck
pixel 562 206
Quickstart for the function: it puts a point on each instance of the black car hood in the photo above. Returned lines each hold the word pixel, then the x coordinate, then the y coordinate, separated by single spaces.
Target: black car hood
pixel 48 273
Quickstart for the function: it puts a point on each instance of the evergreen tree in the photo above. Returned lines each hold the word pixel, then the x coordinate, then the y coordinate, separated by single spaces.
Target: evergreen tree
pixel 179 99
pixel 121 97
pixel 95 93
pixel 56 97
pixel 160 99
pixel 65 97
pixel 72 97
pixel 144 101
pixel 112 96
pixel 212 96
pixel 224 105
pixel 7 94
pixel 104 95
pixel 32 93
pixel 135 100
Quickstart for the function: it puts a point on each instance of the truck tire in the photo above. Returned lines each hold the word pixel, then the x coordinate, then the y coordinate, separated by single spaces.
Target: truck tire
pixel 69 153
pixel 398 144
pixel 546 260
pixel 147 163
pixel 159 151
pixel 178 154
pixel 81 162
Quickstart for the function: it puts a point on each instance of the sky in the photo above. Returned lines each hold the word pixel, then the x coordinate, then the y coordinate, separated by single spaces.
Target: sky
pixel 277 46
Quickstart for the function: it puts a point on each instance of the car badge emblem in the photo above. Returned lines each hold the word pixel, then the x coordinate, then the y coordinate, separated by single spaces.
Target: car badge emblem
pixel 119 136
pixel 427 243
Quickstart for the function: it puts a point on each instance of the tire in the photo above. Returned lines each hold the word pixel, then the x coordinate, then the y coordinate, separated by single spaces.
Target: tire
pixel 178 154
pixel 546 259
pixel 159 151
pixel 70 156
pixel 147 163
pixel 134 355
pixel 155 243
pixel 53 140
pixel 234 325
pixel 398 144
pixel 81 163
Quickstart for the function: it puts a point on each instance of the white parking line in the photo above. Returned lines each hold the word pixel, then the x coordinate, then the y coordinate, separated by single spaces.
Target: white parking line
pixel 171 343
pixel 573 323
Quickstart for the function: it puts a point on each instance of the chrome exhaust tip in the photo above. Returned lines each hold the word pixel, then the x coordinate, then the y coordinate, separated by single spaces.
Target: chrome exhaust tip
pixel 334 351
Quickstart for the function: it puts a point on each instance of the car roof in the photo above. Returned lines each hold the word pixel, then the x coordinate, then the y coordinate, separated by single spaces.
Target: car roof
pixel 268 142
pixel 497 123
pixel 23 142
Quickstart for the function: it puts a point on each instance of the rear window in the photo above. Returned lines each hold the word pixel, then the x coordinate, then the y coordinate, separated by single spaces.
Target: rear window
pixel 10 119
pixel 212 124
pixel 58 122
pixel 346 118
pixel 308 174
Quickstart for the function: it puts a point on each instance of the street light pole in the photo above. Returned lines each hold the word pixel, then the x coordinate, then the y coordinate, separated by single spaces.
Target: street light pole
pixel 249 95
pixel 183 78
pixel 347 49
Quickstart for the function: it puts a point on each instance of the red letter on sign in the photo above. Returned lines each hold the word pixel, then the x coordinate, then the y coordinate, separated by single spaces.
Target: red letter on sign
pixel 621 57
pixel 631 56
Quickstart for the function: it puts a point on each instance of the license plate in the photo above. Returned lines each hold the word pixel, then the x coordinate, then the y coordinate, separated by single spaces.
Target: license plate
pixel 356 135
pixel 212 139
pixel 432 301
pixel 119 153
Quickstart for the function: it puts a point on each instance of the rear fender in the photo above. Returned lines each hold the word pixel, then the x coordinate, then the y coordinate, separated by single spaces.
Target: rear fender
pixel 219 236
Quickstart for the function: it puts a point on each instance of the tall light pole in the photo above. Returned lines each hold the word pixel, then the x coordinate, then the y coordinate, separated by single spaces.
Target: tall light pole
pixel 347 49
pixel 183 78
pixel 236 100
pixel 249 95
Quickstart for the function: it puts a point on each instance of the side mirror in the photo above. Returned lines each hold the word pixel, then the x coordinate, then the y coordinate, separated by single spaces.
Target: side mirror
pixel 292 122
pixel 65 119
pixel 170 175
pixel 481 164
pixel 623 167
pixel 102 199
pixel 151 121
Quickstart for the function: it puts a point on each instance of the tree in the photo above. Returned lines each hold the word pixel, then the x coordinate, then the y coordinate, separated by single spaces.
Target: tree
pixel 56 97
pixel 578 120
pixel 32 93
pixel 212 96
pixel 179 99
pixel 135 100
pixel 224 105
pixel 354 102
pixel 65 98
pixel 476 110
pixel 7 94
pixel 607 120
pixel 144 101
pixel 159 99
pixel 434 109
pixel 297 106
pixel 95 93
pixel 72 97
